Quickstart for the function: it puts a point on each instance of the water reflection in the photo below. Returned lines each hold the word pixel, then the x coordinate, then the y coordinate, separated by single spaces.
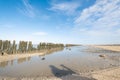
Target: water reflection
pixel 29 58
pixel 11 62
pixel 3 64
pixel 50 51
pixel 6 63
pixel 21 60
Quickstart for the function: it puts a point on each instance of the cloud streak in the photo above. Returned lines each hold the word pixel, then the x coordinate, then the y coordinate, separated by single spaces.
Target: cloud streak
pixel 68 8
pixel 102 17
pixel 27 9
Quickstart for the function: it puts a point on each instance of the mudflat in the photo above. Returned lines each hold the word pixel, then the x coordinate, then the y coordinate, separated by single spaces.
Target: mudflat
pixel 108 74
pixel 112 48
pixel 76 65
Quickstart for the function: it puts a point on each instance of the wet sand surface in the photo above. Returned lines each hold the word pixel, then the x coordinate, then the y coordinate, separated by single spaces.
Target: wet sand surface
pixel 16 56
pixel 75 64
pixel 107 74
pixel 112 48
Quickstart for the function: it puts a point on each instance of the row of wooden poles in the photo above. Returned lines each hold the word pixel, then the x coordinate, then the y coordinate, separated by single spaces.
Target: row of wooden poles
pixel 9 47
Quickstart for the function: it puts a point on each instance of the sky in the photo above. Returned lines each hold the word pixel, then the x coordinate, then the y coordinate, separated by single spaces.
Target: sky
pixel 61 21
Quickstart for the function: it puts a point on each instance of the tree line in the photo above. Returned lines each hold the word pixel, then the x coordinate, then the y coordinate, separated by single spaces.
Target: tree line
pixel 70 45
pixel 9 47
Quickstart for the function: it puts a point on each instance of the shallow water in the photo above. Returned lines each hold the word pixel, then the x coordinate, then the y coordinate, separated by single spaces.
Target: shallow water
pixel 59 63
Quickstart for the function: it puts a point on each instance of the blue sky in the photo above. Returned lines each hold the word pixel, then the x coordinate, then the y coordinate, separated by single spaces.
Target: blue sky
pixel 61 21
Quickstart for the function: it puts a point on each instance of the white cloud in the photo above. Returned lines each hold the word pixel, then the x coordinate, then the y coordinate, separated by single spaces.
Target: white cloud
pixel 104 12
pixel 28 9
pixel 101 19
pixel 65 7
pixel 40 33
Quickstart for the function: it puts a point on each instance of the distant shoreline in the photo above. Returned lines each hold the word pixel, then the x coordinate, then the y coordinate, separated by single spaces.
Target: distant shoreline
pixel 109 47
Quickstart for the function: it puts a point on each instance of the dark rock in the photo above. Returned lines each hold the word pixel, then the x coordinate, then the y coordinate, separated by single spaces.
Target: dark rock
pixel 102 55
